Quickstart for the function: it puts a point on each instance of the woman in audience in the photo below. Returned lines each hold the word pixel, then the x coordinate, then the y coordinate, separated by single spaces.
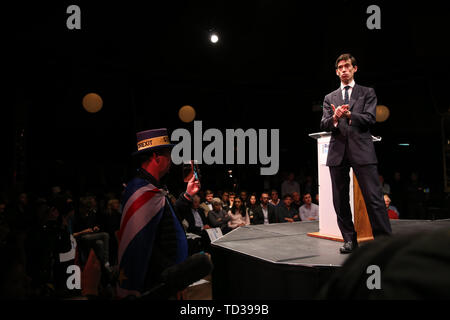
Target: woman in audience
pixel 253 205
pixel 238 215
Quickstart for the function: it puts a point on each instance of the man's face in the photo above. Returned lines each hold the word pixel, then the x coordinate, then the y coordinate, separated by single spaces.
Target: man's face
pixel 244 195
pixel 296 196
pixel 209 197
pixel 165 161
pixel 345 70
pixel 274 195
pixel 225 196
pixel 265 198
pixel 287 201
pixel 307 199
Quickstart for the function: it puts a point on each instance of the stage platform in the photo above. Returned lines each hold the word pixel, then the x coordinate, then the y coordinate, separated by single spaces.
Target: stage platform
pixel 280 261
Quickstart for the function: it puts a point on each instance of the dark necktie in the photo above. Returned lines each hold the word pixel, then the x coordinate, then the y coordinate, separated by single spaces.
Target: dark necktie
pixel 343 122
pixel 346 94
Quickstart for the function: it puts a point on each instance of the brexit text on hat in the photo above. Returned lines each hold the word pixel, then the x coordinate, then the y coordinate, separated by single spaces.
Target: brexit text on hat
pixel 214 152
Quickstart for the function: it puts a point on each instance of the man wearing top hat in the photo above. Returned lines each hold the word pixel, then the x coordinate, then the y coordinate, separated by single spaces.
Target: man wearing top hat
pixel 151 237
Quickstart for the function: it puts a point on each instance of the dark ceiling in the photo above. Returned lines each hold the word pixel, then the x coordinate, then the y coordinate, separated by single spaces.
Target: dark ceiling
pixel 274 61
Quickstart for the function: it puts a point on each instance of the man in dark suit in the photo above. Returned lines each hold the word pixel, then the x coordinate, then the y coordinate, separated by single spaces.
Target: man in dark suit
pixel 351 145
pixel 264 213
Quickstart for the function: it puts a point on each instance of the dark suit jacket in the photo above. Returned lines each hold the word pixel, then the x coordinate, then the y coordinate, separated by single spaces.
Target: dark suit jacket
pixel 258 215
pixel 355 136
pixel 191 221
pixel 283 212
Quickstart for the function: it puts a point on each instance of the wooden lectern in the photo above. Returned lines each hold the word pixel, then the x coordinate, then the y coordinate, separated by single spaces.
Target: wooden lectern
pixel 328 227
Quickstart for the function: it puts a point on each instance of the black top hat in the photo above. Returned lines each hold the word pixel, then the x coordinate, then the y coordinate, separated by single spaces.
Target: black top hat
pixel 151 140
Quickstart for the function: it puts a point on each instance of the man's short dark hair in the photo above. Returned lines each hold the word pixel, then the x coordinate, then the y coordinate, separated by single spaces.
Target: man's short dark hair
pixel 345 56
pixel 287 195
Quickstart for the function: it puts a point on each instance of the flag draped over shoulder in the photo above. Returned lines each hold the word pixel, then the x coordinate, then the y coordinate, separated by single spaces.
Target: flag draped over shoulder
pixel 142 208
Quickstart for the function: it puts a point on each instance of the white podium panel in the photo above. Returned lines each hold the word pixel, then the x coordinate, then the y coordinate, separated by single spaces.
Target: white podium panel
pixel 327 216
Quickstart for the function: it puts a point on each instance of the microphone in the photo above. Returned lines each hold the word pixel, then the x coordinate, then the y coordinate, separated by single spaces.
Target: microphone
pixel 180 276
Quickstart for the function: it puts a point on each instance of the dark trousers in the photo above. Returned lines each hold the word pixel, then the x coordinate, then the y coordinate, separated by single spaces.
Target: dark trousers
pixel 372 192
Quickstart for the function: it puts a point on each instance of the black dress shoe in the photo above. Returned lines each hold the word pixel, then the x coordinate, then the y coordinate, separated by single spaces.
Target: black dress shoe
pixel 348 247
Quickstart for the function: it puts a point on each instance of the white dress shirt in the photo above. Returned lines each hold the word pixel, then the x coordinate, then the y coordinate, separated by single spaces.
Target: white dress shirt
pixel 350 90
pixel 351 84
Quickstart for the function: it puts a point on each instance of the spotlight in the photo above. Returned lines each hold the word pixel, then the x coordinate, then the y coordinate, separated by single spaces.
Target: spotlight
pixel 214 38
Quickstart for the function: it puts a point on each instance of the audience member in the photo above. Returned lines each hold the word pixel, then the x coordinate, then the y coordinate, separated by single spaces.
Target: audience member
pixel 43 246
pixel 386 187
pixel 392 211
pixel 264 213
pixel 207 204
pixel 289 185
pixel 238 215
pixel 217 217
pixel 309 186
pixel 296 201
pixel 274 200
pixel 226 198
pixel 252 206
pixel 110 223
pixel 197 221
pixel 230 202
pixel 88 234
pixel 244 198
pixel 285 212
pixel 309 210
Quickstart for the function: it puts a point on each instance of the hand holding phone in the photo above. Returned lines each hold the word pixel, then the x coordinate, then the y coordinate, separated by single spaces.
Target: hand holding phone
pixel 191 170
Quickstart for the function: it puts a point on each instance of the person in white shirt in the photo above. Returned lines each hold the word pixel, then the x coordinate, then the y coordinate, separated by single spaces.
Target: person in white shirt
pixel 238 215
pixel 308 211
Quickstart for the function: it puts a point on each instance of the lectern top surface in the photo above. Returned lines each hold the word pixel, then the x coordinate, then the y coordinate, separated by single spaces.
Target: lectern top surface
pixel 318 135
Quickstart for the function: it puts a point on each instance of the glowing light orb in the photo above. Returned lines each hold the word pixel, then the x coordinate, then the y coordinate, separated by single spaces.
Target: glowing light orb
pixel 92 102
pixel 382 113
pixel 186 114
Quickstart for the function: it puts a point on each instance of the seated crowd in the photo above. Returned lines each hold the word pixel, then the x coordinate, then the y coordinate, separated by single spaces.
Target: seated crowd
pixel 40 238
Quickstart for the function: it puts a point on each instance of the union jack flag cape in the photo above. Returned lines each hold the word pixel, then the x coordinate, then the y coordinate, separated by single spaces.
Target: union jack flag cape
pixel 143 205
